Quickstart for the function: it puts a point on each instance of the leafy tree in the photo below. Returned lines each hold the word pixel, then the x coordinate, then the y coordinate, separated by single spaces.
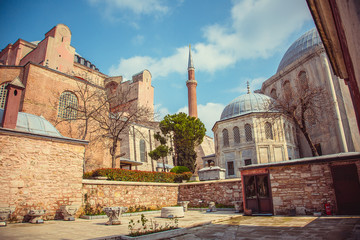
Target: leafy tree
pixel 187 133
pixel 161 151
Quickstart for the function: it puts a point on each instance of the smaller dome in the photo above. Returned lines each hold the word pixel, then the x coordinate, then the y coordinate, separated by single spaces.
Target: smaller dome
pixel 247 103
pixel 33 124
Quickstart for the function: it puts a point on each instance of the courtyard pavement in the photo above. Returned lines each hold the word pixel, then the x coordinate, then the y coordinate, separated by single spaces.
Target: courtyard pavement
pixel 201 225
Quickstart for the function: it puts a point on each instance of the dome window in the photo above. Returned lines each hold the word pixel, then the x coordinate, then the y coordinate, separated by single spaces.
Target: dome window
pixel 236 135
pixel 268 131
pixel 225 138
pixel 248 132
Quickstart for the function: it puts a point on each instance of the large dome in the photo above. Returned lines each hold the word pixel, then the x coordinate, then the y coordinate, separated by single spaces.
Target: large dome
pixel 302 45
pixel 247 103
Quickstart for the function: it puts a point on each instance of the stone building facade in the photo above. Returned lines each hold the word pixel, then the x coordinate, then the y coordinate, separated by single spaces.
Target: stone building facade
pixel 306 62
pixel 250 133
pixel 54 76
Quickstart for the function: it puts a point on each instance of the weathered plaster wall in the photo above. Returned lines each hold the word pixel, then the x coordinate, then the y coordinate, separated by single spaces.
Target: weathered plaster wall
pixel 38 173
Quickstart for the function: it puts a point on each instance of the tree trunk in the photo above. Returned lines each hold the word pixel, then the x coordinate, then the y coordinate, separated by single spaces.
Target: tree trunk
pixel 164 164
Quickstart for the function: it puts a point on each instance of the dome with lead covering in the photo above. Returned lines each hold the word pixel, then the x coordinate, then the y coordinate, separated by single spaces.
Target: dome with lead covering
pixel 300 47
pixel 33 124
pixel 247 103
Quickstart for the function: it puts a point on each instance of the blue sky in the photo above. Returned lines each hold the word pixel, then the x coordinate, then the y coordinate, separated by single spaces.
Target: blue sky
pixel 232 41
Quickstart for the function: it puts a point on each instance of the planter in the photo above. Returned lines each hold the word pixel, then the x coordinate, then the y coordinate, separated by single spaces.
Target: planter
pixel 159 235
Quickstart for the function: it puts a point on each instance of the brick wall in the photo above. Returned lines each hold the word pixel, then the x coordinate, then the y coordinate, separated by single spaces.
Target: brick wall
pixel 306 186
pixel 38 173
pixel 220 191
pixel 130 194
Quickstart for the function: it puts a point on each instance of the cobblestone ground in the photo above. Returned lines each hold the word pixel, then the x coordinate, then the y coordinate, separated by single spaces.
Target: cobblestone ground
pixel 278 228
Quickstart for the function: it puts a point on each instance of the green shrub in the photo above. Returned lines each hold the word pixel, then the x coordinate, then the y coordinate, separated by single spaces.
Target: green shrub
pixel 119 174
pixel 179 169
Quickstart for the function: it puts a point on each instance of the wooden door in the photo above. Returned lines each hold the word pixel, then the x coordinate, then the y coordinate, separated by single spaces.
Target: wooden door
pixel 257 193
pixel 347 188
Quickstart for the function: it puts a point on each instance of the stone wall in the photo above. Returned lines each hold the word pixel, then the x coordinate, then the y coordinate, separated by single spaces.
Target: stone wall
pixel 304 187
pixel 130 194
pixel 39 173
pixel 219 191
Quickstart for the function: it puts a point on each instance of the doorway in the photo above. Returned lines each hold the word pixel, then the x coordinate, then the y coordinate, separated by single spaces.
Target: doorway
pixel 347 189
pixel 257 194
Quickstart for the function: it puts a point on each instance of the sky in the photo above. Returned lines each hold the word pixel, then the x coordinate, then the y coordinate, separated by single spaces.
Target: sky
pixel 232 42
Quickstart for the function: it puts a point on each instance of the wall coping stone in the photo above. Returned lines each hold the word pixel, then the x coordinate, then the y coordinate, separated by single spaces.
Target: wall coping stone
pixel 110 182
pixel 213 181
pixel 301 161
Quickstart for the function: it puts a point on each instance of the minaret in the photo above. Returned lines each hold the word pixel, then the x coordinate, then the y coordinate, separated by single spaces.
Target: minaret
pixel 191 84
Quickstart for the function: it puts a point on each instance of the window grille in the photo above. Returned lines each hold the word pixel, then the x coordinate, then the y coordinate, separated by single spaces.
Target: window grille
pixel 225 137
pixel 68 105
pixel 247 162
pixel 3 93
pixel 248 132
pixel 230 166
pixel 142 151
pixel 268 131
pixel 236 134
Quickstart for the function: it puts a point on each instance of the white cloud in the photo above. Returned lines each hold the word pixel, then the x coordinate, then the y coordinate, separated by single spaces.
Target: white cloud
pixel 208 114
pixel 258 28
pixel 115 10
pixel 160 112
pixel 158 67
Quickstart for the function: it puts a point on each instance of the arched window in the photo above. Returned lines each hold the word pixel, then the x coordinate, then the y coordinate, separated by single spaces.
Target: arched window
pixel 225 137
pixel 142 150
pixel 303 80
pixel 268 131
pixel 3 93
pixel 287 90
pixel 248 132
pixel 273 93
pixel 236 135
pixel 68 105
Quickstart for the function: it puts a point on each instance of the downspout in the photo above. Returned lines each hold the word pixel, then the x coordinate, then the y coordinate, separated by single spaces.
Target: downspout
pixel 134 141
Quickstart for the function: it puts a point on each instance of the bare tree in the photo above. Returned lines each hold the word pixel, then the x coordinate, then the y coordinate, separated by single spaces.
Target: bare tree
pixel 117 112
pixel 305 105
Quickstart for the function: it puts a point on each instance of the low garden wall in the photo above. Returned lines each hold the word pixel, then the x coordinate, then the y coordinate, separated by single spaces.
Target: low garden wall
pixel 39 172
pixel 222 192
pixel 104 193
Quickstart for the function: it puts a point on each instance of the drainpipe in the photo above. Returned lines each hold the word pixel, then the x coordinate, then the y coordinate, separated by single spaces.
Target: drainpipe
pixel 340 127
pixel 134 140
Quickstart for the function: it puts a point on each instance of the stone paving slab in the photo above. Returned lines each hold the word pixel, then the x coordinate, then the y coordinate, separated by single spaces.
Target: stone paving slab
pixel 96 228
pixel 277 227
pixel 201 225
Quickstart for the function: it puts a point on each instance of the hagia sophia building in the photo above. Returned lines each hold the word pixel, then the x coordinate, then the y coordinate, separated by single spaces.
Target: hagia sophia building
pixel 51 72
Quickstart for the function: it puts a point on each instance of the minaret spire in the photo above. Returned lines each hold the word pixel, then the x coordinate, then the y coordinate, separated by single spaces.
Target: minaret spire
pixel 190 62
pixel 248 87
pixel 191 84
